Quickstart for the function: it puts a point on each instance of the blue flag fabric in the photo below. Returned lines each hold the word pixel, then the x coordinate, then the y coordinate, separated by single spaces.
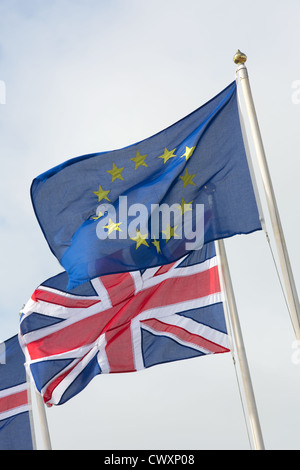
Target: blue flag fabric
pixel 106 212
pixel 15 432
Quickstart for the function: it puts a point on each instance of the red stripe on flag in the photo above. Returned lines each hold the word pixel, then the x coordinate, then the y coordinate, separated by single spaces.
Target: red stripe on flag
pixel 47 395
pixel 185 335
pixel 119 350
pixel 178 289
pixel 57 299
pixel 119 287
pixel 164 269
pixel 13 401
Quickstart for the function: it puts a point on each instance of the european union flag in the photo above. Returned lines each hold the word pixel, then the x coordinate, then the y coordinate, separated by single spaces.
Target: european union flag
pixel 150 203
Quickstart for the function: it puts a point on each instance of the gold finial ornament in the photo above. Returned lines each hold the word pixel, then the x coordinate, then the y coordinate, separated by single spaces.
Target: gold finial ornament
pixel 239 58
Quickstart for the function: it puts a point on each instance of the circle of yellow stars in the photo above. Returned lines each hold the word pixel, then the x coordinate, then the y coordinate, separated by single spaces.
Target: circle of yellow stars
pixel 140 161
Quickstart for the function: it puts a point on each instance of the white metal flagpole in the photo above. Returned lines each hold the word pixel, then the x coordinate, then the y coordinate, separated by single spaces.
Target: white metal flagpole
pixel 32 429
pixel 40 408
pixel 43 421
pixel 291 291
pixel 227 289
pixel 39 403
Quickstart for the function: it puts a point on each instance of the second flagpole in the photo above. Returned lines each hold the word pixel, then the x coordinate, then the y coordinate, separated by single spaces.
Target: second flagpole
pixel 292 296
pixel 227 289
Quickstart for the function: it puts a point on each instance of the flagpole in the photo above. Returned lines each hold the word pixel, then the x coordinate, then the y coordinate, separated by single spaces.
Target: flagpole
pixel 291 291
pixel 31 421
pixel 43 421
pixel 240 347
pixel 40 405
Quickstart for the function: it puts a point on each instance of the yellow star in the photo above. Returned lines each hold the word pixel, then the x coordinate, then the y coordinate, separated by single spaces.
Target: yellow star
pixel 116 173
pixel 168 154
pixel 139 160
pixel 156 244
pixel 140 239
pixel 188 152
pixel 170 232
pixel 113 226
pixel 185 206
pixel 187 179
pixel 101 194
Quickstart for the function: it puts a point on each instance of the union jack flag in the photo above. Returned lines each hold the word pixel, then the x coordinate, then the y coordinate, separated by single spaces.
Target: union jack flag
pixel 122 323
pixel 15 428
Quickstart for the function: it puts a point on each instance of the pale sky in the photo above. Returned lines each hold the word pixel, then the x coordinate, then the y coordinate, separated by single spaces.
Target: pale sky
pixel 84 76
